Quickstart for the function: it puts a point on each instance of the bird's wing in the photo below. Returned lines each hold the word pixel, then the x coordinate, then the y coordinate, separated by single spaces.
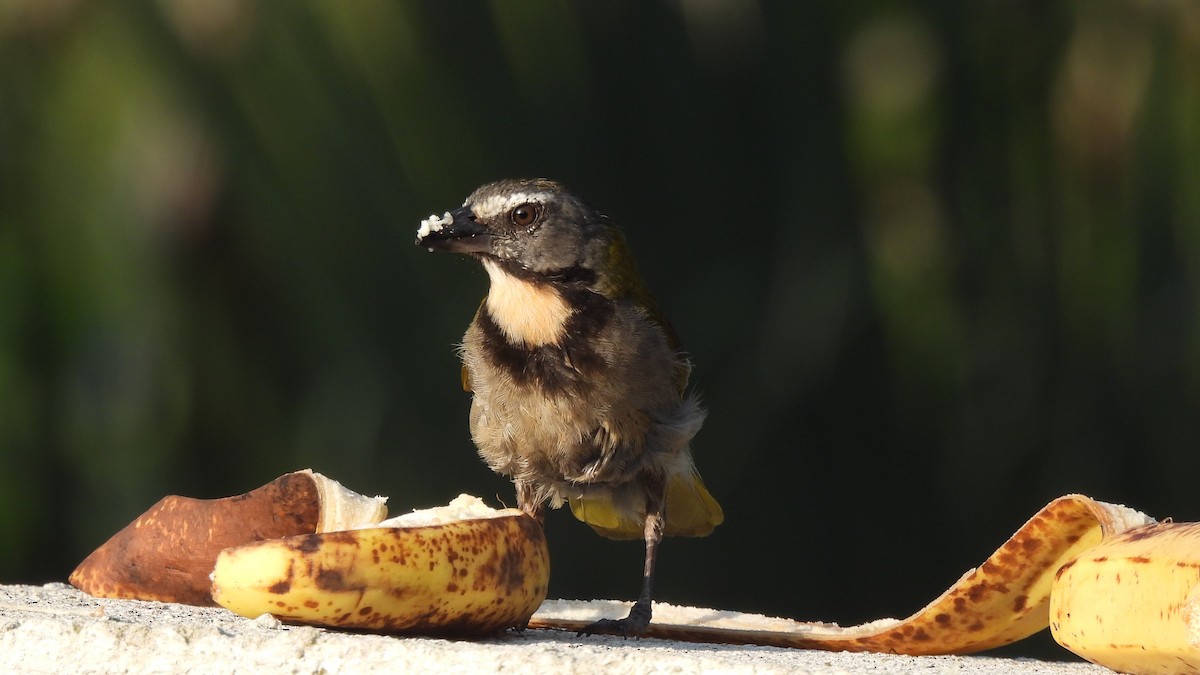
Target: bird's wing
pixel 465 373
pixel 691 510
pixel 627 284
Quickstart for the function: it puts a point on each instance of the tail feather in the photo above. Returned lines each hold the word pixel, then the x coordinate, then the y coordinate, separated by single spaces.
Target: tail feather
pixel 691 510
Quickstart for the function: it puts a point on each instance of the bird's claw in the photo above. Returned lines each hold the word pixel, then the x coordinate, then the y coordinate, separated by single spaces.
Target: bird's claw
pixel 631 626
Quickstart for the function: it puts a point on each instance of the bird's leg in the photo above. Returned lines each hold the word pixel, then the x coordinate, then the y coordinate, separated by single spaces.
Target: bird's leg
pixel 528 501
pixel 639 615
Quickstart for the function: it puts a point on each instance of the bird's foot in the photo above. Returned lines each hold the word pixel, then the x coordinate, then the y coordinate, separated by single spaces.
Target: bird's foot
pixel 633 625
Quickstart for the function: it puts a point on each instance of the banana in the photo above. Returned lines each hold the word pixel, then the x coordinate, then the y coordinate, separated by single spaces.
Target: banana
pixel 464 569
pixel 167 553
pixel 1005 599
pixel 1115 587
pixel 1132 602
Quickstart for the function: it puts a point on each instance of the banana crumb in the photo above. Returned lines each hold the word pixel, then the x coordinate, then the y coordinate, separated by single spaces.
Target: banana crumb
pixel 433 223
pixel 462 507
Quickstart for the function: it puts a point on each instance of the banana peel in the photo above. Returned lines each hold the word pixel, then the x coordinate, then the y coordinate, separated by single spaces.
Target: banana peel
pixel 167 553
pixel 1113 585
pixel 475 571
pixel 1004 600
pixel 1132 602
pixel 308 550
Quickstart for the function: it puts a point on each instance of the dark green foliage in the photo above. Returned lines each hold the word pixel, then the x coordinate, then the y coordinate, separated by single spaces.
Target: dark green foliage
pixel 936 263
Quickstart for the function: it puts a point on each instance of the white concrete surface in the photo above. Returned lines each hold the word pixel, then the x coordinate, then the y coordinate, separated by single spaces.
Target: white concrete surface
pixel 56 629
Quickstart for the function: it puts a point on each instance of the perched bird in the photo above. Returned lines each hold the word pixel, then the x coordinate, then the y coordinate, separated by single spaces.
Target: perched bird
pixel 578 382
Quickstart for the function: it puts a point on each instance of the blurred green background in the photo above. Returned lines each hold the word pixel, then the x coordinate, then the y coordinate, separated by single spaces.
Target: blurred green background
pixel 936 263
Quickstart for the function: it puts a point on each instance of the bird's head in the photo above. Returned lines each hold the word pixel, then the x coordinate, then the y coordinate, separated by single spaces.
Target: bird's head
pixel 536 229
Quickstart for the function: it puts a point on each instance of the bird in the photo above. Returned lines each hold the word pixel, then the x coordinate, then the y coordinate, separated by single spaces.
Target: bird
pixel 579 385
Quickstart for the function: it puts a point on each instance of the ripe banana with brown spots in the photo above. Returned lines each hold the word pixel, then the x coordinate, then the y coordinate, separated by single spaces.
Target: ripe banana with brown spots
pixel 168 552
pixel 464 569
pixel 1132 602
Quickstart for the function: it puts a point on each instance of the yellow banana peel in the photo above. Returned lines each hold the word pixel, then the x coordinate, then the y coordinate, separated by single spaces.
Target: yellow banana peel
pixel 1115 587
pixel 468 573
pixel 1132 602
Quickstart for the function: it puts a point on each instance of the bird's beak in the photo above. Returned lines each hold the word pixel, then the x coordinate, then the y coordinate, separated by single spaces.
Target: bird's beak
pixel 456 231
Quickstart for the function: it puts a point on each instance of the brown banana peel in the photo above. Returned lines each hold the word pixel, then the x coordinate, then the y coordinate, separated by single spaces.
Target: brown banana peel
pixel 167 553
pixel 1004 600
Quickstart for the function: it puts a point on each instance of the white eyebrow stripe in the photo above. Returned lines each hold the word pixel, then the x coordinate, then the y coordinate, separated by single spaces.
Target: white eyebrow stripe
pixel 495 205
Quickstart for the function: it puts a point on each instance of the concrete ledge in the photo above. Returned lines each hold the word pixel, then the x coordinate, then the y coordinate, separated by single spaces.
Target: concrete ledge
pixel 56 629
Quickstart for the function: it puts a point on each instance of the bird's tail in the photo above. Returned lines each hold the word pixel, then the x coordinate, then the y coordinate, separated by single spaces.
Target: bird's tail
pixel 620 513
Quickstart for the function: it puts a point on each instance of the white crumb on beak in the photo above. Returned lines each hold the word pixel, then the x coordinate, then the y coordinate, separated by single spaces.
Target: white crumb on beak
pixel 432 224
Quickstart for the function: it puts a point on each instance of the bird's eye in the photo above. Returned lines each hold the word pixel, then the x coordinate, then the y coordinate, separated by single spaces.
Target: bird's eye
pixel 524 215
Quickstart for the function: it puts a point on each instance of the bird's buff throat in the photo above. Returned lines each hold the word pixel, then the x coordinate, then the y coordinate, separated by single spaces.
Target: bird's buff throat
pixel 529 314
